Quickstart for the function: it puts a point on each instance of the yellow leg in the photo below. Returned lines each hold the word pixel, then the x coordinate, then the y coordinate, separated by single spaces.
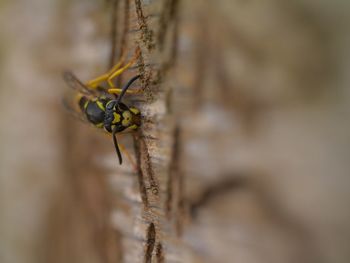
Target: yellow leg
pixel 115 73
pixel 124 151
pixel 97 81
pixel 118 91
pixel 131 160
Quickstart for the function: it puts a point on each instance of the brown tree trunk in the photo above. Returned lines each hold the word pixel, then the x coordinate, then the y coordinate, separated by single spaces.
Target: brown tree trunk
pixel 243 151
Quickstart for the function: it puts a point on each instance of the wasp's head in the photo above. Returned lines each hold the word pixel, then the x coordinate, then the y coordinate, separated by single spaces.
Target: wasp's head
pixel 120 117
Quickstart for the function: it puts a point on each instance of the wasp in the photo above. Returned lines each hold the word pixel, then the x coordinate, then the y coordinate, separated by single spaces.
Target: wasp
pixel 103 107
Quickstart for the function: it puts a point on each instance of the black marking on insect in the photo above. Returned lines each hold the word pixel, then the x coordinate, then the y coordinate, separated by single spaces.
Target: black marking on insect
pixel 97 107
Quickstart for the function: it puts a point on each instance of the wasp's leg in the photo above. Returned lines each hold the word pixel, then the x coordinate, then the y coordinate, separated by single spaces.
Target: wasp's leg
pixel 125 89
pixel 118 91
pixel 121 148
pixel 94 83
pixel 128 155
pixel 115 73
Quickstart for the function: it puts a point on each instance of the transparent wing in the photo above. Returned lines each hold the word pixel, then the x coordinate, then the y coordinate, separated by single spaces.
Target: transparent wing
pixel 74 83
pixel 72 110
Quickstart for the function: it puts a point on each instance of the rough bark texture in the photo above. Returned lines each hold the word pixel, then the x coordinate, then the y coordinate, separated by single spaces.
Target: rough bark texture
pixel 244 146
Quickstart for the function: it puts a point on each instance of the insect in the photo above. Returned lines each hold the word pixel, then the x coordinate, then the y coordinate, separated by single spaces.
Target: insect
pixel 103 107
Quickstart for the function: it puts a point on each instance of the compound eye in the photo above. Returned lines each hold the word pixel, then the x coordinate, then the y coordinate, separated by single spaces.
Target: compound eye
pixel 110 105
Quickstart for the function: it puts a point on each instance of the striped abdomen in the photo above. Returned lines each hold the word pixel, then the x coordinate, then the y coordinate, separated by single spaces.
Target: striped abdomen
pixel 94 110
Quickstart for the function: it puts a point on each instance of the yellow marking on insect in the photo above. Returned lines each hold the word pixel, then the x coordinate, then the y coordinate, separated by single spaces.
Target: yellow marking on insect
pixel 99 125
pixel 86 104
pixel 130 128
pixel 126 118
pixel 134 110
pixel 116 118
pixel 100 105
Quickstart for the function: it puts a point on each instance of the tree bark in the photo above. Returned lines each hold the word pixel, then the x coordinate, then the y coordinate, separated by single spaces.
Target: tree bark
pixel 242 155
pixel 240 104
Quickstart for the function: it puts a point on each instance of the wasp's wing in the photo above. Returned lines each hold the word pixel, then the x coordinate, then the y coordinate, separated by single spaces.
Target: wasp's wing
pixel 74 83
pixel 68 105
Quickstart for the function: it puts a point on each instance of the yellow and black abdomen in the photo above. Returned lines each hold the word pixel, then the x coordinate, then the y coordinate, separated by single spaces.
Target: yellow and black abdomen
pixel 94 110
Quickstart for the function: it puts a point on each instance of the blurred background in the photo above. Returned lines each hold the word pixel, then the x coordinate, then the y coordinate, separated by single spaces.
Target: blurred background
pixel 244 149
